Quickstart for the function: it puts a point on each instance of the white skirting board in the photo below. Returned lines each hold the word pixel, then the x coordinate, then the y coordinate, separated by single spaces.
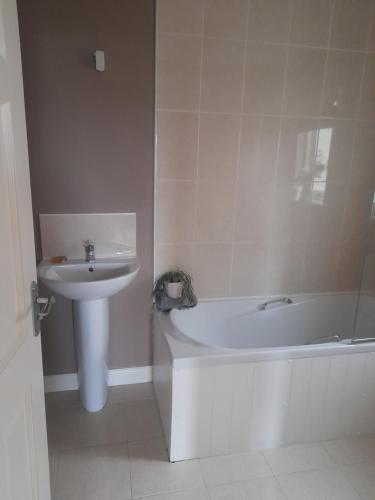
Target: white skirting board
pixel 120 376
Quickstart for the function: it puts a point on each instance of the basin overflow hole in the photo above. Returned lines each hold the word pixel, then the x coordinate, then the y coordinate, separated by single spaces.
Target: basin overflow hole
pixel 91 269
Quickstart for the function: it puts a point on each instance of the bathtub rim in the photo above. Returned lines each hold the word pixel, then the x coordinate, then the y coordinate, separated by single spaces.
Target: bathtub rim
pixel 186 352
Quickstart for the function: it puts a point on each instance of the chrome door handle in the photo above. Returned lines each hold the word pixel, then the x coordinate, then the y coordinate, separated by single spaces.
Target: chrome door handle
pixel 41 306
pixel 46 308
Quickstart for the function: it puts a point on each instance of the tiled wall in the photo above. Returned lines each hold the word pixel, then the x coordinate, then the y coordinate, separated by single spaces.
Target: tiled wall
pixel 265 143
pixel 114 235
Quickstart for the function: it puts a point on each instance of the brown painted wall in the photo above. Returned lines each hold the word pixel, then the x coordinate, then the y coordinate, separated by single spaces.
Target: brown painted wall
pixel 91 143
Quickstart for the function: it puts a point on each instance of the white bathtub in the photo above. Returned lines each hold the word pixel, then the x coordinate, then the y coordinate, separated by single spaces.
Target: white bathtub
pixel 230 378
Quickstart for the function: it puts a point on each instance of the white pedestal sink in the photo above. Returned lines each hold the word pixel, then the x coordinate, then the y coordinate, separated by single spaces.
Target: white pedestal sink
pixel 90 285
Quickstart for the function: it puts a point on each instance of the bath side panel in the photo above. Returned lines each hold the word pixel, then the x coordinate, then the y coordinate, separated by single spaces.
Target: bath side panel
pixel 163 379
pixel 234 408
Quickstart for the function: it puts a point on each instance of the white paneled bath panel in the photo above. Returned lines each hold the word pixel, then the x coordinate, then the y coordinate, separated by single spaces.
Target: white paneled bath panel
pixel 230 408
pixel 367 422
pixel 352 401
pixel 192 404
pixel 242 400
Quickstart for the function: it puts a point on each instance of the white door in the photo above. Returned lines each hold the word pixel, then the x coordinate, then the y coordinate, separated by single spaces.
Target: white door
pixel 23 441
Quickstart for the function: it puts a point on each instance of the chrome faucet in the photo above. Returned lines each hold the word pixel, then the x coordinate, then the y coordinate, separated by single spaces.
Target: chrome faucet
pixel 285 300
pixel 89 251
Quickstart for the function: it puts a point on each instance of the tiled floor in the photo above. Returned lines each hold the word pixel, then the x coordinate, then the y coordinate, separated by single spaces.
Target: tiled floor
pixel 119 454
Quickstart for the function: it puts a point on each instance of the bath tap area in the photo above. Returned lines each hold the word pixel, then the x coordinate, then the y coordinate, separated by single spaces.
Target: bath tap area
pixel 188 249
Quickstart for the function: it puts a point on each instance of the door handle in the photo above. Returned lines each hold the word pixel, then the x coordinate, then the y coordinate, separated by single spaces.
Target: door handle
pixel 46 307
pixel 41 307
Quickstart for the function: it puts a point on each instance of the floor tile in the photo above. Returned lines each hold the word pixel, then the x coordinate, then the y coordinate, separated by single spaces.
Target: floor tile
pixel 362 478
pixel 142 420
pixel 96 473
pixel 201 494
pixel 327 484
pixel 104 427
pixel 230 468
pixel 132 392
pixel 351 450
pixel 63 399
pixel 70 428
pixel 152 473
pixel 265 488
pixel 298 457
pixel 63 428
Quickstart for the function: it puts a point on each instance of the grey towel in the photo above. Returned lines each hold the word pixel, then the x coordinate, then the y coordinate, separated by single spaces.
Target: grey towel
pixel 165 303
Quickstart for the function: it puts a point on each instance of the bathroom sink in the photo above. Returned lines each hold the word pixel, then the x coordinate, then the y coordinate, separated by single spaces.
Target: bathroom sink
pixel 80 280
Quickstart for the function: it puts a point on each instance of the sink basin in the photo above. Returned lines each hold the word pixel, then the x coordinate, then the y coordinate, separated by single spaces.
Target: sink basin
pixel 80 280
pixel 90 285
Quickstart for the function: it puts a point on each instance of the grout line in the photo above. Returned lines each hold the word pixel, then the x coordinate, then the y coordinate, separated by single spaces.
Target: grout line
pixel 321 104
pixel 356 120
pixel 155 231
pixel 194 264
pixel 277 159
pixel 268 42
pixel 236 180
pixel 271 115
pixel 109 443
pixel 309 213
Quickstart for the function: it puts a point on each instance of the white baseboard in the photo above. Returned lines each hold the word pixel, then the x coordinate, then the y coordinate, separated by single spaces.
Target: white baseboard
pixel 121 376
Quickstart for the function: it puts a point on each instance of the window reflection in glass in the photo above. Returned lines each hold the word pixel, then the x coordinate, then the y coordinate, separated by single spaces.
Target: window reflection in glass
pixel 312 157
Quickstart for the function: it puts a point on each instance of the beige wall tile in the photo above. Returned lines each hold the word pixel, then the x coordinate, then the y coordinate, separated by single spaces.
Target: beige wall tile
pixel 218 146
pixel 285 266
pixel 304 81
pixel 222 75
pixel 363 170
pixel 296 157
pixel 253 211
pixel 177 145
pixel 212 269
pixel 179 16
pixel 215 208
pixel 178 72
pixel 269 20
pixel 311 22
pixel 226 18
pixel 300 149
pixel 258 148
pixel 249 272
pixel 367 101
pixel 175 202
pixel 174 256
pixel 368 265
pixel 340 148
pixel 325 218
pixel 357 212
pixel 350 264
pixel 320 266
pixel 290 216
pixel 265 73
pixel 342 85
pixel 351 23
pixel 362 183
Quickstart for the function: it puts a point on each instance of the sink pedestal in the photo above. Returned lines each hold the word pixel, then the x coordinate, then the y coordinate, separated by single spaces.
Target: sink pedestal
pixel 91 331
